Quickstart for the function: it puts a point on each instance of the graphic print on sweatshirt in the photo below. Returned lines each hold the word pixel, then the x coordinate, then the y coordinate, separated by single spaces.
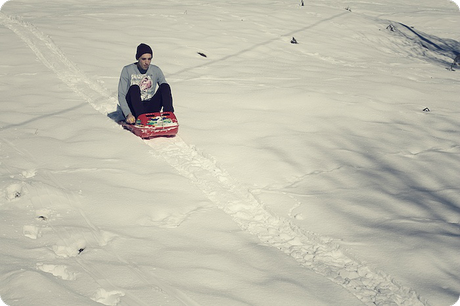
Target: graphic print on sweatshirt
pixel 146 85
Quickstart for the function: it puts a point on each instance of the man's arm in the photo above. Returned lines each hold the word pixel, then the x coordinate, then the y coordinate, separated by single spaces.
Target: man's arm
pixel 160 76
pixel 123 86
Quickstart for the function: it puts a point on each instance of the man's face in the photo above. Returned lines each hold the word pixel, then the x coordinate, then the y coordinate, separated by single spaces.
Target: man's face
pixel 144 61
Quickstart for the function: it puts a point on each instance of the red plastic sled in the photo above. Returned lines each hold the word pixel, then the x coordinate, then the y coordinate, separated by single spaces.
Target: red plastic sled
pixel 161 124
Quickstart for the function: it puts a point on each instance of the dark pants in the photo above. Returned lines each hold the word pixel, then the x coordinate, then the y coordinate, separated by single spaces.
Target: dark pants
pixel 161 99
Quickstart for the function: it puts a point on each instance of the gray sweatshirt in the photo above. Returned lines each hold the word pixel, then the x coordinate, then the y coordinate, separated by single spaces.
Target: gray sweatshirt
pixel 130 75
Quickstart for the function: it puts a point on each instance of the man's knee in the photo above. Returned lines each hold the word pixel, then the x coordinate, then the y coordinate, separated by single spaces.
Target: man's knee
pixel 165 87
pixel 134 89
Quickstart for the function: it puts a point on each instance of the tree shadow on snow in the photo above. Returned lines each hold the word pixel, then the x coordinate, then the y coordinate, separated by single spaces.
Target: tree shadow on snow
pixel 418 178
pixel 252 47
pixel 41 117
pixel 404 200
pixel 426 46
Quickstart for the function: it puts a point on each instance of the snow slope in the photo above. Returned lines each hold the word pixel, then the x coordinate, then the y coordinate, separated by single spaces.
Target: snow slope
pixel 303 174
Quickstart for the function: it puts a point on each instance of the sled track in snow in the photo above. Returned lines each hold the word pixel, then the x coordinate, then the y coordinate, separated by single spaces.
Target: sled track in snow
pixel 50 55
pixel 53 58
pixel 308 249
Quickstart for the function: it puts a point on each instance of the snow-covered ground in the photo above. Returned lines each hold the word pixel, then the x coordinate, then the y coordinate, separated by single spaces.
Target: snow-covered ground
pixel 319 173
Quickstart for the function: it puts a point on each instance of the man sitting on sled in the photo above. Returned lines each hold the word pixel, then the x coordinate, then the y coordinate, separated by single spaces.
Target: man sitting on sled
pixel 137 85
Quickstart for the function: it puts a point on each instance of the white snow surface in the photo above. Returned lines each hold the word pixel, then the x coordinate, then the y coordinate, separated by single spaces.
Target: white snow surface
pixel 324 172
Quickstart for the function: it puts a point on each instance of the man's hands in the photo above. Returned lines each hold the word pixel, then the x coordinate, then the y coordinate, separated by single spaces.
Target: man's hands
pixel 130 119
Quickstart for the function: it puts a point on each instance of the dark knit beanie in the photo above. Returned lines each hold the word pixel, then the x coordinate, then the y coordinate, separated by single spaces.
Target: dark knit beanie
pixel 142 49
